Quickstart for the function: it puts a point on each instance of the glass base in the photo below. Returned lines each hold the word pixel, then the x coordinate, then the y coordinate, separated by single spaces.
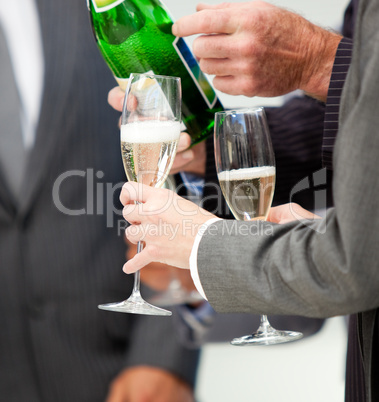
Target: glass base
pixel 173 297
pixel 273 337
pixel 134 306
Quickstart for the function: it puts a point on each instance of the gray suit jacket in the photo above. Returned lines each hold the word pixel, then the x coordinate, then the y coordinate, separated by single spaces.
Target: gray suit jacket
pixel 55 345
pixel 325 268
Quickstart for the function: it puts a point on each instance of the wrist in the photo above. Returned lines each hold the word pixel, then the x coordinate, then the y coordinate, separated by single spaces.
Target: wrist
pixel 319 61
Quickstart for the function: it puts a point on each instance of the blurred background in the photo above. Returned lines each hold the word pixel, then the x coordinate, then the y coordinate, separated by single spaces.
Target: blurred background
pixel 310 370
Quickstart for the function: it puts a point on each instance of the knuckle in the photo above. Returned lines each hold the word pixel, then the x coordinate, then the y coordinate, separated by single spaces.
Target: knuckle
pixel 249 70
pixel 223 18
pixel 258 4
pixel 211 21
pixel 204 20
pixel 249 88
pixel 246 48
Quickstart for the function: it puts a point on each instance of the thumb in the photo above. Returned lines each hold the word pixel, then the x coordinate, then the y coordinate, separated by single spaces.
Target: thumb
pixel 289 213
pixel 184 142
pixel 275 214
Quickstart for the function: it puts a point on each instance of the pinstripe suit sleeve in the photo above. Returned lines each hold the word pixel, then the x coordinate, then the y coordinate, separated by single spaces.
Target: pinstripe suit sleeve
pixel 337 80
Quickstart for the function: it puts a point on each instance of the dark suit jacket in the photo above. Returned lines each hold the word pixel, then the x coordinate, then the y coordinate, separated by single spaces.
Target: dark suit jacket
pixel 55 268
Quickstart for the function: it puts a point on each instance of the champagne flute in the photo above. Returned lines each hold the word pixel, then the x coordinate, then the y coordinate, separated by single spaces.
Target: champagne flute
pixel 150 130
pixel 246 171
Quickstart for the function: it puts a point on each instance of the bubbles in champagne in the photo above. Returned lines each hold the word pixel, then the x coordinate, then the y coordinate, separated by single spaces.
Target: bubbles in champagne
pixel 148 150
pixel 248 191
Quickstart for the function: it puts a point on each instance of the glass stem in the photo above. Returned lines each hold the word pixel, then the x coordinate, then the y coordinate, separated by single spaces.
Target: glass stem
pixel 137 278
pixel 264 325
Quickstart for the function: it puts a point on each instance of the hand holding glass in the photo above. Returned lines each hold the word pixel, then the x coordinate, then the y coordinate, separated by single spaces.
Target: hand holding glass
pixel 246 171
pixel 150 130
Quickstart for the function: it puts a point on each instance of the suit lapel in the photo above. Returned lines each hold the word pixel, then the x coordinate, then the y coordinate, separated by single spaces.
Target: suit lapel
pixel 55 16
pixel 12 158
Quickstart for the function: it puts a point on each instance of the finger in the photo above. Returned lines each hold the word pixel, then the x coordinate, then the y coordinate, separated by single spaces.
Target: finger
pixel 242 72
pixel 135 233
pixel 219 67
pixel 204 22
pixel 289 213
pixel 132 192
pixel 181 161
pixel 184 142
pixel 235 85
pixel 214 46
pixel 299 213
pixel 116 98
pixel 132 103
pixel 139 261
pixel 151 201
pixel 274 214
pixel 132 213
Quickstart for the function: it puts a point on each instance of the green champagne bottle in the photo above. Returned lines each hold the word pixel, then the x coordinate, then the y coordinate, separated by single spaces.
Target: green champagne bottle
pixel 134 36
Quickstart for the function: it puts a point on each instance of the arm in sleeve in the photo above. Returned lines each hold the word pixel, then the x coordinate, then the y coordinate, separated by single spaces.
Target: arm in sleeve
pixel 323 268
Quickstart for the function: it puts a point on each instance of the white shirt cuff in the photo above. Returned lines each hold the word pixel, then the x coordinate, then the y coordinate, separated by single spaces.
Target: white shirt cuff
pixel 193 256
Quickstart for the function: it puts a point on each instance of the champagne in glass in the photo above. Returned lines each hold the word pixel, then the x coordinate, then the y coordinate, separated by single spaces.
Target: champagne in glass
pixel 246 172
pixel 248 191
pixel 148 150
pixel 150 130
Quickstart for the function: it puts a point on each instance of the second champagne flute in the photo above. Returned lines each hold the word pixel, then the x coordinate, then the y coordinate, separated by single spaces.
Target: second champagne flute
pixel 150 130
pixel 246 171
